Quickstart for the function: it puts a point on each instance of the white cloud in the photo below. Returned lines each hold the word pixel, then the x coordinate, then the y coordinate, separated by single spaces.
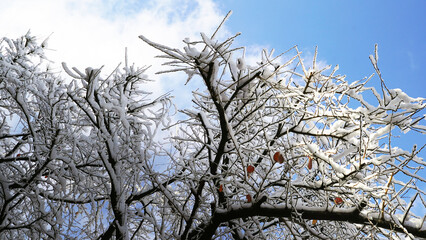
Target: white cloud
pixel 95 32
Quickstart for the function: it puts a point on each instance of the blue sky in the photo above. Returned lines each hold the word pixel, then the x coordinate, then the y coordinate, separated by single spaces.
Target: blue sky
pixel 345 33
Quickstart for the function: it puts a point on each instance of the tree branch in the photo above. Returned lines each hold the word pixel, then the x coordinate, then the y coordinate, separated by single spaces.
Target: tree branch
pixel 352 215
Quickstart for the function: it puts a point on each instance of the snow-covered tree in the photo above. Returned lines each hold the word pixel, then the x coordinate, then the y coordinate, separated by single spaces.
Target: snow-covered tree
pixel 279 149
pixel 72 151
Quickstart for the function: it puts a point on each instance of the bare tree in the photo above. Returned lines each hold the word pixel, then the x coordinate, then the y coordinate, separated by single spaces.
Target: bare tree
pixel 275 150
